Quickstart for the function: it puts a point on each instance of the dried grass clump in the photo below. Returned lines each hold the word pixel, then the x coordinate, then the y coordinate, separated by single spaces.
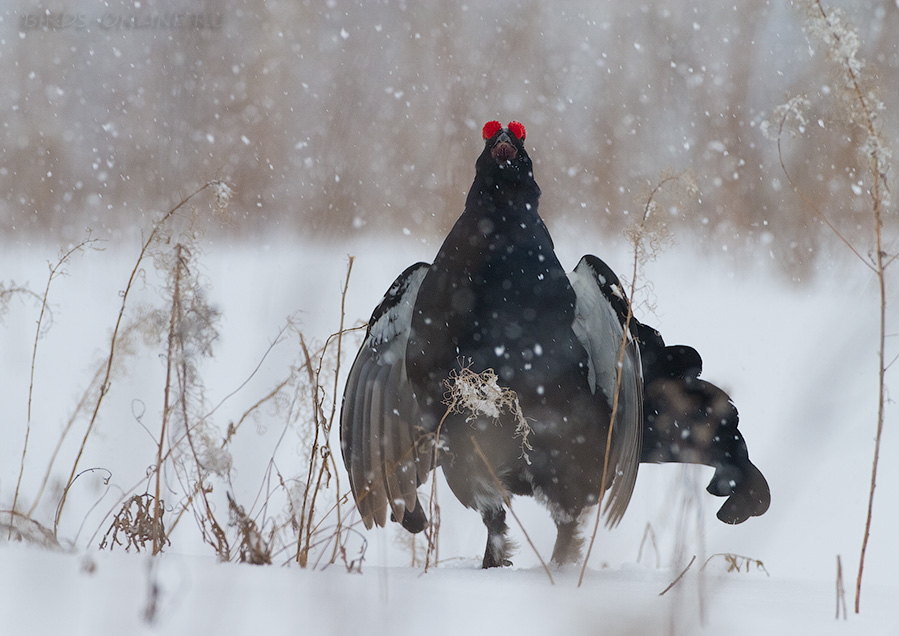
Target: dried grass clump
pixel 135 526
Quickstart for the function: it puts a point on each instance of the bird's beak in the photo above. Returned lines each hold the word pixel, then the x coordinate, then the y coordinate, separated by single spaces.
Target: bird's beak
pixel 503 148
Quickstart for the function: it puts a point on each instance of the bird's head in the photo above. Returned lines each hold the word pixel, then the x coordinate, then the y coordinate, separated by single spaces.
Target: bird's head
pixel 504 157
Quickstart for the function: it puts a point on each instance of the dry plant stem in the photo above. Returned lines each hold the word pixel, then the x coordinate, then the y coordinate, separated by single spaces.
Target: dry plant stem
pixel 841 592
pixel 878 266
pixel 649 533
pixel 104 385
pixel 322 425
pixel 253 373
pixel 221 540
pixel 508 502
pixel 170 355
pixel 809 202
pixel 176 352
pixel 346 286
pixel 232 430
pixel 734 562
pixel 37 336
pixel 679 576
pixel 880 408
pixel 78 408
pixel 433 506
pixel 303 555
pixel 621 350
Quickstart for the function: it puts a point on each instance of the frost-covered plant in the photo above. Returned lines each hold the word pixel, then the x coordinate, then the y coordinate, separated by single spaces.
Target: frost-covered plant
pixel 787 117
pixel 191 332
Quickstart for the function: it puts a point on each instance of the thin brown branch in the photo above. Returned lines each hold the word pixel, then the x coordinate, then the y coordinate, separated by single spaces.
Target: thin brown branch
pixel 303 554
pixel 54 270
pixel 638 238
pixel 811 204
pixel 343 293
pixel 71 421
pixel 862 115
pixel 841 592
pixel 433 506
pixel 169 363
pixel 679 577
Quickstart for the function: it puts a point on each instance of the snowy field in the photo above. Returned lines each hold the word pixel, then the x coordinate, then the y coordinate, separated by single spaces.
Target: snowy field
pixel 799 360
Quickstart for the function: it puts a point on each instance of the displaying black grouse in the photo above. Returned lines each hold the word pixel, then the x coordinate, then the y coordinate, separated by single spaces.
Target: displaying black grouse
pixel 496 297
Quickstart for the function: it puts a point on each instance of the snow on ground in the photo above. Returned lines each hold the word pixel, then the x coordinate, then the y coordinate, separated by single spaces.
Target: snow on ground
pixel 798 360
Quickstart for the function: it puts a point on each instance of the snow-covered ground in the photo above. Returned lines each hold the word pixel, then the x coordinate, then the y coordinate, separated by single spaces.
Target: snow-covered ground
pixel 799 360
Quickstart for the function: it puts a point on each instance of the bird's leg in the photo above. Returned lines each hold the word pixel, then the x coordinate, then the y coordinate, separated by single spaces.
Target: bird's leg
pixel 568 543
pixel 498 546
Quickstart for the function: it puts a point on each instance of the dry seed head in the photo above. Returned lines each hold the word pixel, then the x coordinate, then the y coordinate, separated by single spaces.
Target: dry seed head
pixel 788 117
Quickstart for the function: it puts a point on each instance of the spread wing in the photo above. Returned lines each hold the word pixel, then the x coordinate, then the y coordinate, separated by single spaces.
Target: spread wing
pixel 379 419
pixel 601 312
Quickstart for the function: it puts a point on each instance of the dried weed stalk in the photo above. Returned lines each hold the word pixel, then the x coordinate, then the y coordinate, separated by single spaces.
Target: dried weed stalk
pixel 187 445
pixel 860 106
pixel 191 333
pixel 650 535
pixel 841 592
pixel 322 467
pixel 55 270
pixel 10 290
pixel 648 237
pixel 253 547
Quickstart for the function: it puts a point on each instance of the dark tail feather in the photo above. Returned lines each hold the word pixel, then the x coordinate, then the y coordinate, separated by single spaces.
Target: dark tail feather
pixel 414 520
pixel 690 420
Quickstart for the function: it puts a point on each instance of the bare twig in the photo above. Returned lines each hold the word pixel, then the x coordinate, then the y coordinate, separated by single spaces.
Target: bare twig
pixel 638 236
pixel 649 534
pixel 841 592
pixel 679 576
pixel 842 43
pixel 322 429
pixel 170 361
pixel 736 562
pixel 433 505
pixel 54 270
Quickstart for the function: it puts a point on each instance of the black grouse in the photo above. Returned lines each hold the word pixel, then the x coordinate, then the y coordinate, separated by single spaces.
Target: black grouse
pixel 497 298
